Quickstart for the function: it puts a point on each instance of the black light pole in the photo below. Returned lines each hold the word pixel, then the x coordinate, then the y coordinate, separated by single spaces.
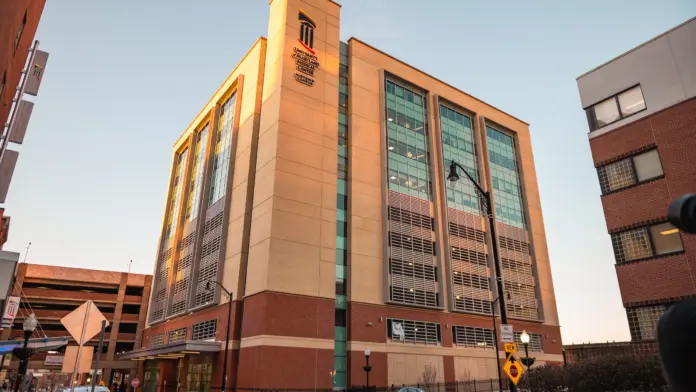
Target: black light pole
pixel 526 361
pixel 453 177
pixel 495 340
pixel 24 353
pixel 367 368
pixel 209 287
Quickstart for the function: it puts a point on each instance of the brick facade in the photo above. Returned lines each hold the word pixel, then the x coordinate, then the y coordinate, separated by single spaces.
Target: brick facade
pixel 673 132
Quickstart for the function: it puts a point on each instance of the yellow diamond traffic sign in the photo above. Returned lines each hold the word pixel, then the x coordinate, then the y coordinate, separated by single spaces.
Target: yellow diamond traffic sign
pixel 513 369
pixel 510 348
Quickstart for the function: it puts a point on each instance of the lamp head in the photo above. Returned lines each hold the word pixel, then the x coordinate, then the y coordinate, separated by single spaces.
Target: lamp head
pixel 367 352
pixel 524 337
pixel 453 177
pixel 30 323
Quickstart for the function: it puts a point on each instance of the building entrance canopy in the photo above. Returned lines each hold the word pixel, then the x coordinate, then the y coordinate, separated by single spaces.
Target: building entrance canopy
pixel 172 350
pixel 42 344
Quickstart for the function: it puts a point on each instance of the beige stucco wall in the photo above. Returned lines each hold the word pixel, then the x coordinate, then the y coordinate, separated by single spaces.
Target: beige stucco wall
pixel 366 267
pixel 408 369
pixel 293 229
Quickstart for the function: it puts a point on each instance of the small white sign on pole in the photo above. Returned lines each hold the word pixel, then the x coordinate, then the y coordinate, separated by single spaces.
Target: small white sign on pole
pixel 506 335
pixel 11 308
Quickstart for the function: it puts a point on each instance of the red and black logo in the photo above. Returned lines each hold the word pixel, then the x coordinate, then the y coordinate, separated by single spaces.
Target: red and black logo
pixel 307 26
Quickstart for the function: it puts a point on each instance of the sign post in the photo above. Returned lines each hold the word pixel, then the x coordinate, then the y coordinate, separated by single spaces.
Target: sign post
pixel 506 333
pixel 83 324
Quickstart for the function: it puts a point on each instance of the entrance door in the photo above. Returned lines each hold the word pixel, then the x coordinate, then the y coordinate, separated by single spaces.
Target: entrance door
pixel 198 377
pixel 150 381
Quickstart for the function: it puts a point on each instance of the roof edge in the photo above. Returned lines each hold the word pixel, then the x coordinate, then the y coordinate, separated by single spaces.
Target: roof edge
pixel 637 47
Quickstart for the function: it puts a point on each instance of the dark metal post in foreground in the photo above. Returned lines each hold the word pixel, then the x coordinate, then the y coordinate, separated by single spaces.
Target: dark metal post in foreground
pixel 208 286
pixel 24 353
pixel 99 350
pixel 497 350
pixel 454 177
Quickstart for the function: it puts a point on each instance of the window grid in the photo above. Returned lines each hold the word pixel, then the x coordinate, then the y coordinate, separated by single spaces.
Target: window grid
pixel 642 321
pixel 534 341
pixel 177 335
pixel 204 330
pixel 176 194
pixel 221 162
pixel 505 178
pixel 210 258
pixel 458 145
pixel 473 336
pixel 631 245
pixel 156 340
pixel 629 171
pixel 196 175
pixel 415 332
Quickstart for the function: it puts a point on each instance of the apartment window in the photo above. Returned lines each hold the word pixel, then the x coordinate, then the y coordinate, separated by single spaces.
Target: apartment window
pixel 473 336
pixel 20 31
pixel 629 171
pixel 534 341
pixel 613 109
pixel 177 335
pixel 645 242
pixel 458 146
pixel 204 331
pixel 413 331
pixel 642 321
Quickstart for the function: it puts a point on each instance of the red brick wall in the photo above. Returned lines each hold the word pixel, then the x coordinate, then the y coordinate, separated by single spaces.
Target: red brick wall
pixel 673 132
pixel 11 15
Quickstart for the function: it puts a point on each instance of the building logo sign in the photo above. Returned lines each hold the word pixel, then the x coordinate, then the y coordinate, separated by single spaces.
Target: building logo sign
pixel 306 60
pixel 11 308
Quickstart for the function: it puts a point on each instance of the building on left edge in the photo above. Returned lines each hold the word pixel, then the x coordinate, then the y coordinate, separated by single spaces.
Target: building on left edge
pixel 22 67
pixel 51 293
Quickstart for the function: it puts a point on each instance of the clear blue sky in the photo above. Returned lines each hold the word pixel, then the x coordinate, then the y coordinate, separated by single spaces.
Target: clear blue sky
pixel 125 78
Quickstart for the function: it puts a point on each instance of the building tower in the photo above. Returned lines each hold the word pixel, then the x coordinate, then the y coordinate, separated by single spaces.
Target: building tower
pixel 334 226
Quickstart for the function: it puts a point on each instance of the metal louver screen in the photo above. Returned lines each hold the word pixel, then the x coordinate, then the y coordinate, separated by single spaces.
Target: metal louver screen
pixel 177 335
pixel 210 259
pixel 159 296
pixel 204 330
pixel 413 273
pixel 471 286
pixel 518 275
pixel 183 275
pixel 473 336
pixel 157 340
pixel 415 331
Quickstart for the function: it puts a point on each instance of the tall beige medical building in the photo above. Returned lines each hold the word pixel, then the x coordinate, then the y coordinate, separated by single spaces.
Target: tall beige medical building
pixel 313 187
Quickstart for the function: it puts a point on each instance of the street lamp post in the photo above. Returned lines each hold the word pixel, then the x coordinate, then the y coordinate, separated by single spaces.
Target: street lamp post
pixel 367 368
pixel 526 361
pixel 495 342
pixel 209 287
pixel 453 177
pixel 24 353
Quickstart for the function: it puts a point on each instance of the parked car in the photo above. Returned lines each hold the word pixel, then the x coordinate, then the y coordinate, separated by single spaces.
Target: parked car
pixel 83 388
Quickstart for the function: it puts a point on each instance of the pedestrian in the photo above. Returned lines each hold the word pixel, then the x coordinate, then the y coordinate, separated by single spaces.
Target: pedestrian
pixel 114 387
pixel 122 387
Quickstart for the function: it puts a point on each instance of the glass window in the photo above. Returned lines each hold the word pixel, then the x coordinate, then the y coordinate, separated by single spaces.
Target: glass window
pixel 505 177
pixel 18 37
pixel 221 162
pixel 631 101
pixel 666 238
pixel 606 112
pixel 176 194
pixel 615 175
pixel 196 175
pixel 631 245
pixel 642 321
pixel 647 165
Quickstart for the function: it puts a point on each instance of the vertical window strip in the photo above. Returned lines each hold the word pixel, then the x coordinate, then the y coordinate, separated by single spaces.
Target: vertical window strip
pixel 221 161
pixel 458 145
pixel 340 324
pixel 505 178
pixel 197 174
pixel 176 193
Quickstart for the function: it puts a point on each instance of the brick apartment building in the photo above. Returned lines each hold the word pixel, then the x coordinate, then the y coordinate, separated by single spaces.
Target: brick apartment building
pixel 52 292
pixel 641 110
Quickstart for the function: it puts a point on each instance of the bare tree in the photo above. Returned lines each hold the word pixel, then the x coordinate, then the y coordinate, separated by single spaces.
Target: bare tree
pixel 428 378
pixel 465 382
